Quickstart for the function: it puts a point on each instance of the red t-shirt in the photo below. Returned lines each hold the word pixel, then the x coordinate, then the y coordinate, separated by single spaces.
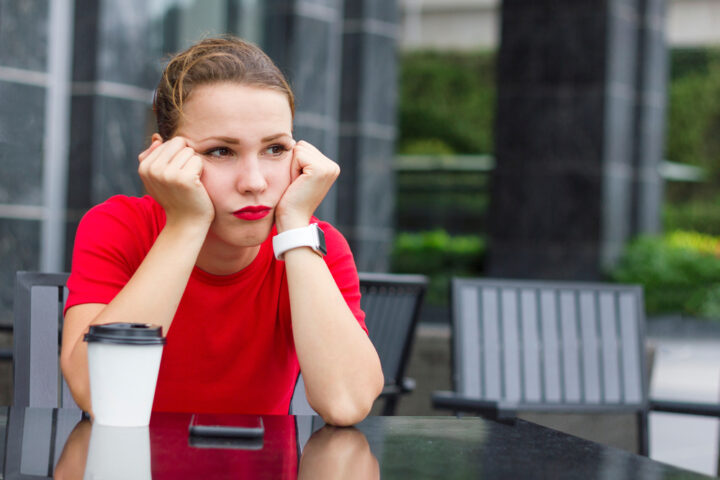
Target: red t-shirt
pixel 230 347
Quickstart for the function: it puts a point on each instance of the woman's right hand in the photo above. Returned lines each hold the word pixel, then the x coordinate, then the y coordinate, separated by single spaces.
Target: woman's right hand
pixel 171 173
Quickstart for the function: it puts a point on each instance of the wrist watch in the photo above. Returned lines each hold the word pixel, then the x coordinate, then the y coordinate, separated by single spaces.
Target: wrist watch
pixel 311 236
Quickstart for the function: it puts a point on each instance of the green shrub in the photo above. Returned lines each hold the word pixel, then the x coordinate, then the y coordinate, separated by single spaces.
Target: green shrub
pixel 680 272
pixel 447 97
pixel 440 257
pixel 700 214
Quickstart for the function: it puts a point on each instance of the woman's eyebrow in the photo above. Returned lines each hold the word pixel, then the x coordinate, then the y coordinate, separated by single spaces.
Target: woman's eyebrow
pixel 275 137
pixel 231 140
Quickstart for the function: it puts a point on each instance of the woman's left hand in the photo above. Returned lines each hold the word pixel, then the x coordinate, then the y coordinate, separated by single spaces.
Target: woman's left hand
pixel 311 176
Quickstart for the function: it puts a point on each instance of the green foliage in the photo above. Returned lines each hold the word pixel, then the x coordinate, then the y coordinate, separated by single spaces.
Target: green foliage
pixel 440 256
pixel 447 97
pixel 694 120
pixel 680 272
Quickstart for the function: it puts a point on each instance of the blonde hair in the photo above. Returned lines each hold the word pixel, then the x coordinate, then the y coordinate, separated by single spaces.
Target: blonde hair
pixel 213 60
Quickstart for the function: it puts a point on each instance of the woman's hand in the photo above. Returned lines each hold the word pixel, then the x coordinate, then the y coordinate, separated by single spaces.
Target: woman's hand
pixel 312 174
pixel 171 173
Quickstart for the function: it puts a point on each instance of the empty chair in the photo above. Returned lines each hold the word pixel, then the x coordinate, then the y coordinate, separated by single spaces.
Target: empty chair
pixel 392 307
pixel 540 346
pixel 37 332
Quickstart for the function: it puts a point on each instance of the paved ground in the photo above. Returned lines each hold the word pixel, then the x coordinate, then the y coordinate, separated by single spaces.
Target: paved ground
pixel 686 367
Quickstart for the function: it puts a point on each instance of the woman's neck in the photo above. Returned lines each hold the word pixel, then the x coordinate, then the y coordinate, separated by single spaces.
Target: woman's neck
pixel 218 258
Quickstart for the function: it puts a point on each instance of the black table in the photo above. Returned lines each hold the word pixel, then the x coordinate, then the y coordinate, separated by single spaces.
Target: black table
pixel 39 442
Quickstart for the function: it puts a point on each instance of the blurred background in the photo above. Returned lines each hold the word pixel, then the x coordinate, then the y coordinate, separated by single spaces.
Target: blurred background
pixel 548 139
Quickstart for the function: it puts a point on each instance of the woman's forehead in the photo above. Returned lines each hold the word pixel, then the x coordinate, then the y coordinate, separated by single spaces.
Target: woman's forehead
pixel 226 109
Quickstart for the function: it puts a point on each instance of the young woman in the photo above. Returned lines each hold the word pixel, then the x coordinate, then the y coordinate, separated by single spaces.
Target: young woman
pixel 229 189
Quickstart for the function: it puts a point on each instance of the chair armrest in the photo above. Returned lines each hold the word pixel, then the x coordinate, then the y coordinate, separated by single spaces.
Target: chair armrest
pixel 408 385
pixel 486 408
pixel 393 390
pixel 688 408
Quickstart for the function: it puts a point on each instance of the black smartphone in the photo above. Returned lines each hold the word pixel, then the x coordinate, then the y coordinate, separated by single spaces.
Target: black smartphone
pixel 226 426
pixel 244 432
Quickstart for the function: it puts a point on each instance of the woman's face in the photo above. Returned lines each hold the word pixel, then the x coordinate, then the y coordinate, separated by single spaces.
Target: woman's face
pixel 244 135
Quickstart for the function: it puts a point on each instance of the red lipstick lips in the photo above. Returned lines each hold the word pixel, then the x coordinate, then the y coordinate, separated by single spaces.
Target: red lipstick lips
pixel 255 212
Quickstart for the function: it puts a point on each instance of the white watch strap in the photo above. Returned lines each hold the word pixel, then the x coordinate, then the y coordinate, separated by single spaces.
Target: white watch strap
pixel 297 237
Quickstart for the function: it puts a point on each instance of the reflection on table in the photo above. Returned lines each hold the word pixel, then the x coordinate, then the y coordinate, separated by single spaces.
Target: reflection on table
pixel 40 443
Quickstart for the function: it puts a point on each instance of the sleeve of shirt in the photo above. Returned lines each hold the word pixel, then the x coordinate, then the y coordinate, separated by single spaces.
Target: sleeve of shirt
pixel 341 263
pixel 111 242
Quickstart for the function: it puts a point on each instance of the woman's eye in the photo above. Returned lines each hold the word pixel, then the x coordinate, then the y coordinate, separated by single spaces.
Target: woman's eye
pixel 218 152
pixel 276 150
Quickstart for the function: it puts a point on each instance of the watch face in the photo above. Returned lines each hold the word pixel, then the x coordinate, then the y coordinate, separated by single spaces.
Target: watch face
pixel 321 240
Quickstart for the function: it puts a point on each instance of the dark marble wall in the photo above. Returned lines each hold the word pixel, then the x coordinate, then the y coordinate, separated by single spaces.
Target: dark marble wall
pixel 367 130
pixel 565 195
pixel 340 59
pixel 23 85
pixel 304 37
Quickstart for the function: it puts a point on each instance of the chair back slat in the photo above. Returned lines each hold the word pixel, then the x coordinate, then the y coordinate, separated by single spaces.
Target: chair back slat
pixel 44 354
pixel 490 329
pixel 630 351
pixel 570 348
pixel 531 351
pixel 590 347
pixel 38 309
pixel 551 347
pixel 509 327
pixel 540 344
pixel 468 373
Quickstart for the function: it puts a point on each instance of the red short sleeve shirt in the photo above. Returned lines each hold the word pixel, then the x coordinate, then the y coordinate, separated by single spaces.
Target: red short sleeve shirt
pixel 230 347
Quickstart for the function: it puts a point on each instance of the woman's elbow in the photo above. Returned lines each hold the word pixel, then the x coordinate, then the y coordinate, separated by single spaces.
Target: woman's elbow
pixel 344 414
pixel 349 410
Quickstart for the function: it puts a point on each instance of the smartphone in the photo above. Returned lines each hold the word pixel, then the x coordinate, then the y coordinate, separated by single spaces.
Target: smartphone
pixel 226 426
pixel 244 432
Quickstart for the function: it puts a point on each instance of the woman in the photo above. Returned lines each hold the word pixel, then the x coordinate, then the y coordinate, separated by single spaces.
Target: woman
pixel 226 181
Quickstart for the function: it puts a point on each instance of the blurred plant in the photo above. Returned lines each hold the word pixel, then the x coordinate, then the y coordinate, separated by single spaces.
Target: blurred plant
pixel 440 256
pixel 699 214
pixel 680 272
pixel 448 97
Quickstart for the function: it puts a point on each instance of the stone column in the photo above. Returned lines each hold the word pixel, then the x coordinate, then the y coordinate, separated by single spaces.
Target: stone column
pixel 304 38
pixel 650 115
pixel 34 79
pixel 340 59
pixel 115 71
pixel 366 189
pixel 562 201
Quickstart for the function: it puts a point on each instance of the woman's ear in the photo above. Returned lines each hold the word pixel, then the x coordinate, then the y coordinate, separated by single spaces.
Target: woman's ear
pixel 156 137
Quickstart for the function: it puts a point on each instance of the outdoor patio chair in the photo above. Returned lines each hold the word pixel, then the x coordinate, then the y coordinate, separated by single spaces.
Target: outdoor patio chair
pixel 37 332
pixel 542 346
pixel 391 303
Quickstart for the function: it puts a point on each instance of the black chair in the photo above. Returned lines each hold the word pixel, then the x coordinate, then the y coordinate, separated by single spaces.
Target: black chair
pixel 391 303
pixel 37 334
pixel 540 346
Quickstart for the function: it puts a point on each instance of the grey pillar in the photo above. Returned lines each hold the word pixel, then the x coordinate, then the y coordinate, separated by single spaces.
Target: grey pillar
pixel 366 186
pixel 650 115
pixel 563 199
pixel 304 38
pixel 31 150
pixel 115 71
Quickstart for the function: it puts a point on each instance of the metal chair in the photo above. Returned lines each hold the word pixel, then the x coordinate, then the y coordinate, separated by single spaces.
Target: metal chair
pixel 540 346
pixel 392 307
pixel 37 333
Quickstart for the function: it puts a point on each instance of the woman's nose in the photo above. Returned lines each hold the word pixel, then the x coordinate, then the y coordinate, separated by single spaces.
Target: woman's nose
pixel 250 177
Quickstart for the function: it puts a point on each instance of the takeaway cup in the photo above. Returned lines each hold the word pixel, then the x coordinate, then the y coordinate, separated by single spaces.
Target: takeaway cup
pixel 123 360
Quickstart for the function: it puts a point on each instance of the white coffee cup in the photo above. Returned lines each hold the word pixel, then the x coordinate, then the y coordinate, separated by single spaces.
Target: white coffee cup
pixel 123 360
pixel 118 453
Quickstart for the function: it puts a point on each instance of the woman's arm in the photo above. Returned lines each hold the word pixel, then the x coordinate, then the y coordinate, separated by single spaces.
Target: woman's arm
pixel 340 366
pixel 170 173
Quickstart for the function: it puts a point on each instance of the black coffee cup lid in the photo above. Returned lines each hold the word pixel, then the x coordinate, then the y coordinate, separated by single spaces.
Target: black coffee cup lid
pixel 126 334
